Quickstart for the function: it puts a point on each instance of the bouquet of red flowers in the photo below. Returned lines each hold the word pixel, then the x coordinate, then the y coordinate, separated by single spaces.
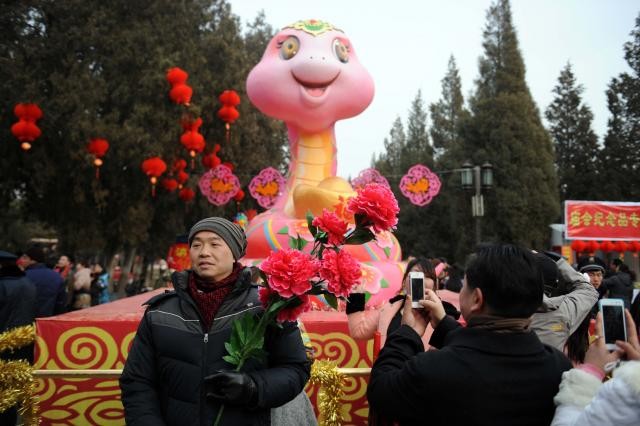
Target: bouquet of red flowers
pixel 290 275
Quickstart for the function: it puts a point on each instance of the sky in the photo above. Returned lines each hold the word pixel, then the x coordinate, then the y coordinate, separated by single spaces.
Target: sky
pixel 406 44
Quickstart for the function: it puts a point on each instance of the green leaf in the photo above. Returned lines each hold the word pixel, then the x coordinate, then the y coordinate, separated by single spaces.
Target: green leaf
pixel 231 350
pixel 367 296
pixel 359 236
pixel 293 243
pixel 384 283
pixel 283 231
pixel 387 251
pixel 231 360
pixel 331 300
pixel 312 229
pixel 240 331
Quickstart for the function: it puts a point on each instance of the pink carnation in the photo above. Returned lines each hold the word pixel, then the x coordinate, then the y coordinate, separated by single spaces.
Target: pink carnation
pixel 289 271
pixel 330 223
pixel 378 204
pixel 289 313
pixel 341 271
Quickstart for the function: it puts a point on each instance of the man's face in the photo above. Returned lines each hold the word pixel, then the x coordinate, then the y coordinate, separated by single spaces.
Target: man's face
pixel 211 257
pixel 25 261
pixel 63 261
pixel 595 277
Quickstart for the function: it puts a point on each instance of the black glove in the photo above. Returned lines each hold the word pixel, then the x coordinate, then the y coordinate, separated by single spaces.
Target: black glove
pixel 232 387
pixel 553 255
pixel 355 303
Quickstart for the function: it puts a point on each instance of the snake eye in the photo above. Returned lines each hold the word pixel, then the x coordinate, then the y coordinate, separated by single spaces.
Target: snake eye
pixel 289 47
pixel 341 50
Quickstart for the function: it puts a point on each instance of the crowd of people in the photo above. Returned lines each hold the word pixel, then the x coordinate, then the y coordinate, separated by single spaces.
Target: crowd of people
pixel 514 339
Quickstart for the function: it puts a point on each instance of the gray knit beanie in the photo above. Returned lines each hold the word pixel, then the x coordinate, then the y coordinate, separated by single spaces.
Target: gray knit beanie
pixel 231 233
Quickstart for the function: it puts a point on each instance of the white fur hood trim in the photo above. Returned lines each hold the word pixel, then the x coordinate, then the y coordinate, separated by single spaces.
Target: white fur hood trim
pixel 577 388
pixel 630 373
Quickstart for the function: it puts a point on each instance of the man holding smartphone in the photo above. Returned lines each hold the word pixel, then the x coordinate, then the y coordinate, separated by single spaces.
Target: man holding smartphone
pixel 506 374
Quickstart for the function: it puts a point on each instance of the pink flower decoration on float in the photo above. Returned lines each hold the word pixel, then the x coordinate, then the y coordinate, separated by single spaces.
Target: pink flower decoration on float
pixel 420 185
pixel 371 278
pixel 219 185
pixel 384 240
pixel 341 270
pixel 300 228
pixel 377 205
pixel 368 176
pixel 289 271
pixel 267 186
pixel 330 223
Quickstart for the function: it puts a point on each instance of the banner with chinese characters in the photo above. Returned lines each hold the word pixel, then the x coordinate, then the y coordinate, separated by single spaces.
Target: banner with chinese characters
pixel 602 220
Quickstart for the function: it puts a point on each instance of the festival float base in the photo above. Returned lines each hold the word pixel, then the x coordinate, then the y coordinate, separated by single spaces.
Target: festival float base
pixel 100 338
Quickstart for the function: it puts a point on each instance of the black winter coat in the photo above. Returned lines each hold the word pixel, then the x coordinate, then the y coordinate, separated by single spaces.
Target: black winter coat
pixel 478 377
pixel 162 381
pixel 17 307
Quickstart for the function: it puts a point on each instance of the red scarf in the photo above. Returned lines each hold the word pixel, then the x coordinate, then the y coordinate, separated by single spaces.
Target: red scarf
pixel 210 295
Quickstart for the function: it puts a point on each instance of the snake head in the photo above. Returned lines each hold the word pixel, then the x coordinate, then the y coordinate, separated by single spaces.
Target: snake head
pixel 310 77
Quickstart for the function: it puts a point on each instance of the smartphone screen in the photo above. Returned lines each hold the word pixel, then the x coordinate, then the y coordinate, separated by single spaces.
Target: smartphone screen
pixel 613 323
pixel 417 289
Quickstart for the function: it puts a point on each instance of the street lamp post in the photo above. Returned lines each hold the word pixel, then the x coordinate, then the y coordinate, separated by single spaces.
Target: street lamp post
pixel 480 177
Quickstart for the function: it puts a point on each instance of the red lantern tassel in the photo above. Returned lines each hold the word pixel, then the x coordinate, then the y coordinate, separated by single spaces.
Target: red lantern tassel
pixel 228 132
pixel 98 172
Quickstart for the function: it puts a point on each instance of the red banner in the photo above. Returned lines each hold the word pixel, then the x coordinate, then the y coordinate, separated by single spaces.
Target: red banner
pixel 602 220
pixel 178 257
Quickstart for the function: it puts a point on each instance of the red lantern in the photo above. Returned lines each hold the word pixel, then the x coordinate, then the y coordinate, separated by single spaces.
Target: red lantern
pixel 606 246
pixel 634 246
pixel 251 213
pixel 180 92
pixel 154 167
pixel 621 247
pixel 239 196
pixel 592 246
pixel 228 113
pixel 186 194
pixel 229 98
pixel 179 165
pixel 578 246
pixel 26 130
pixel 192 139
pixel 170 184
pixel 182 178
pixel 176 75
pixel 98 147
pixel 210 160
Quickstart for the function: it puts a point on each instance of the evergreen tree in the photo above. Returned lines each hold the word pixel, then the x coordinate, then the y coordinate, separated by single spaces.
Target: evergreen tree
pixel 417 149
pixel 506 131
pixel 388 162
pixel 448 111
pixel 449 211
pixel 576 145
pixel 621 163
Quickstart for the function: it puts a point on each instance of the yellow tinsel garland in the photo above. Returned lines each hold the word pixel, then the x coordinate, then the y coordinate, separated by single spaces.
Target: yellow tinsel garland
pixel 326 374
pixel 17 338
pixel 17 385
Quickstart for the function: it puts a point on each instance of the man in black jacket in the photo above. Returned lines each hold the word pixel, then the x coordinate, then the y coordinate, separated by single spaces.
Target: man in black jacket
pixel 175 373
pixel 494 371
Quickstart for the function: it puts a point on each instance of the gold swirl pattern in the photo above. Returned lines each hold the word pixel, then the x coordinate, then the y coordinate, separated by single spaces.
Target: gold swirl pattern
pixel 337 347
pixel 125 345
pixel 87 348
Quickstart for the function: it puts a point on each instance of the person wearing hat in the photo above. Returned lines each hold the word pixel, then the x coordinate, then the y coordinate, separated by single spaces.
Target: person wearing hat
pixel 619 284
pixel 175 373
pixel 560 315
pixel 17 308
pixel 50 288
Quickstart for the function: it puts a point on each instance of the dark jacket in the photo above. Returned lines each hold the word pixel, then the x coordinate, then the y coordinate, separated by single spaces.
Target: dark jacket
pixel 477 377
pixel 619 286
pixel 17 307
pixel 50 290
pixel 162 381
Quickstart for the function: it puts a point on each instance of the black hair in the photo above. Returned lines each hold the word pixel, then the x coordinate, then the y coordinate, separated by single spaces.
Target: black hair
pixel 427 268
pixel 617 262
pixel 509 277
pixel 578 342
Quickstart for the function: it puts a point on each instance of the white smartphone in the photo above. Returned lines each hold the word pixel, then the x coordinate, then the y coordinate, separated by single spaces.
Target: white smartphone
pixel 613 321
pixel 416 287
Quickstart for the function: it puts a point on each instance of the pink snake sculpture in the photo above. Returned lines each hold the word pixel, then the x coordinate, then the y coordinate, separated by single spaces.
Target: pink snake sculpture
pixel 310 77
